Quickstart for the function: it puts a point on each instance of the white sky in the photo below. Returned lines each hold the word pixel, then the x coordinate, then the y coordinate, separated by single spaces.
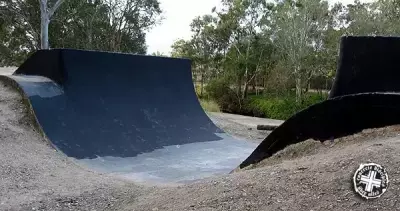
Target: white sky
pixel 178 14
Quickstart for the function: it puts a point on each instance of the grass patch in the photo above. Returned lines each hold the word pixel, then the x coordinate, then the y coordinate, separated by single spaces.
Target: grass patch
pixel 209 105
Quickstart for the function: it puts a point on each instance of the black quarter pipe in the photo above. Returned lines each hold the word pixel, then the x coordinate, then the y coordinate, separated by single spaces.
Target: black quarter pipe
pixel 138 115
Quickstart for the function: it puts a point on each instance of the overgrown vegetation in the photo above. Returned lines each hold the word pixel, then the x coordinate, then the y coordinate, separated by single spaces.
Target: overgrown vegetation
pixel 209 105
pixel 281 107
pixel 260 104
pixel 267 58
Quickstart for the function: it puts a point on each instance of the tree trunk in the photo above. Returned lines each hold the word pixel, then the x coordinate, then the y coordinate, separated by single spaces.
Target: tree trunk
pixel 202 83
pixel 298 85
pixel 246 84
pixel 245 90
pixel 239 86
pixel 298 90
pixel 90 37
pixel 44 33
pixel 44 24
pixel 308 87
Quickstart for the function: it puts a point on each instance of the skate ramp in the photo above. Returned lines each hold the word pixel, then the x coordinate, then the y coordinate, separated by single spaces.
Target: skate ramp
pixel 135 116
pixel 365 94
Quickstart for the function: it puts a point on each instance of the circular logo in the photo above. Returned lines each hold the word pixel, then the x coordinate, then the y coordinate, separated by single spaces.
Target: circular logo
pixel 370 180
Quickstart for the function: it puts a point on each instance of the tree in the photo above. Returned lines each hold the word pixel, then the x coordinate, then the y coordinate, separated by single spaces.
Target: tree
pixel 238 30
pixel 185 49
pixel 89 24
pixel 46 13
pixel 376 18
pixel 157 53
pixel 298 26
pixel 129 20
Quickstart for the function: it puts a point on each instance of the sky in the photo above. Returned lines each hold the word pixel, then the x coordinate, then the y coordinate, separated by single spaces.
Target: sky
pixel 178 14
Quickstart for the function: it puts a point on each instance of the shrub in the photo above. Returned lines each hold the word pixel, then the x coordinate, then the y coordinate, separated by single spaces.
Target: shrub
pixel 226 98
pixel 209 105
pixel 275 105
pixel 280 107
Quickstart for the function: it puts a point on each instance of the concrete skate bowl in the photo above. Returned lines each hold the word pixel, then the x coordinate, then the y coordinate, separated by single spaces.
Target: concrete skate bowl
pixel 133 116
pixel 365 95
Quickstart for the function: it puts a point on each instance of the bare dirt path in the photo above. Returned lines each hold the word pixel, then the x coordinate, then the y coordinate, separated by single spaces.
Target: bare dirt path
pixel 233 125
pixel 307 176
pixel 246 121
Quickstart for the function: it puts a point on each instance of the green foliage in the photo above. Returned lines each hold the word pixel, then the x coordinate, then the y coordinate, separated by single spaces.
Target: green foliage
pixel 281 107
pixel 277 47
pixel 209 105
pixel 118 26
pixel 275 105
pixel 227 100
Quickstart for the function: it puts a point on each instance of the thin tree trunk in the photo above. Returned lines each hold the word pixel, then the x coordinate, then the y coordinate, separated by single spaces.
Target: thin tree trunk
pixel 298 90
pixel 239 86
pixel 45 15
pixel 246 84
pixel 255 86
pixel 44 24
pixel 245 90
pixel 202 83
pixel 298 85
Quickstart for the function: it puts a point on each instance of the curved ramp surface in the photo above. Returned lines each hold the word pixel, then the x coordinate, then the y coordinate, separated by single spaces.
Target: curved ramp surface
pixel 365 95
pixel 133 115
pixel 333 118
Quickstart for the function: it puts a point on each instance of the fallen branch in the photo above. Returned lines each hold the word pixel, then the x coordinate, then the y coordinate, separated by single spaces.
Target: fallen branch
pixel 266 127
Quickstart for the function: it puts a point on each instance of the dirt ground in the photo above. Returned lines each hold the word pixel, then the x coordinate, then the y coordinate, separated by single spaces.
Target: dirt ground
pixel 236 129
pixel 307 176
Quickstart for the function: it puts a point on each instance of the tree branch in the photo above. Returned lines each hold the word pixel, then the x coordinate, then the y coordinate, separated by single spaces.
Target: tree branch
pixel 55 7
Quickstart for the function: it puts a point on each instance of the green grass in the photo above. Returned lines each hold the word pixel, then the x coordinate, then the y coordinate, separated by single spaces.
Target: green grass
pixel 209 105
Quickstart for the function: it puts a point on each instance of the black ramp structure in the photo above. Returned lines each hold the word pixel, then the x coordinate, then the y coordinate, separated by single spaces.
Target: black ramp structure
pixel 133 115
pixel 365 94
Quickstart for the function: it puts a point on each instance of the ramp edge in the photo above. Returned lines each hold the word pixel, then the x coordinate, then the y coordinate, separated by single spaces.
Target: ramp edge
pixel 25 100
pixel 290 133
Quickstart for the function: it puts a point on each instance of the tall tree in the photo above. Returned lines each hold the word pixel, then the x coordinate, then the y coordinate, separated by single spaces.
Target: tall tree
pixel 298 26
pixel 239 26
pixel 47 10
pixel 90 24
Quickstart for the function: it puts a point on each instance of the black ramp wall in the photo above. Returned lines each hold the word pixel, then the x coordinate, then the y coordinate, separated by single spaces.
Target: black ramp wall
pixel 366 65
pixel 365 95
pixel 108 104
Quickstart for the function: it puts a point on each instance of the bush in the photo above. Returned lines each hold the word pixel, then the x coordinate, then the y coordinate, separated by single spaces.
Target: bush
pixel 209 105
pixel 219 91
pixel 274 105
pixel 280 107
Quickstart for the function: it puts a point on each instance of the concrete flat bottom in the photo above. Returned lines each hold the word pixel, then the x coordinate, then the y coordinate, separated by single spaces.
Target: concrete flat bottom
pixel 177 163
